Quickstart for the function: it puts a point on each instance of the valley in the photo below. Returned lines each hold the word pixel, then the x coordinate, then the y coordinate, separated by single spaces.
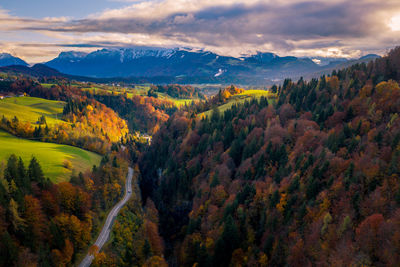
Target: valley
pixel 259 177
pixel 200 134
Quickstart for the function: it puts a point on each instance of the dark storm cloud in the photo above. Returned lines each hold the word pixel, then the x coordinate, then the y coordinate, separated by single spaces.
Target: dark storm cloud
pixel 256 24
pixel 280 26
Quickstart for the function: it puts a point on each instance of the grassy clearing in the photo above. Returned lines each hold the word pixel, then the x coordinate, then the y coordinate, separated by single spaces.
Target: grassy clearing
pixel 97 90
pixel 51 156
pixel 31 108
pixel 177 101
pixel 141 90
pixel 104 89
pixel 241 98
pixel 182 102
pixel 47 85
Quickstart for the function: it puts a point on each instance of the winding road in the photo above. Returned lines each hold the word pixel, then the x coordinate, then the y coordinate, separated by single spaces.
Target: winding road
pixel 105 232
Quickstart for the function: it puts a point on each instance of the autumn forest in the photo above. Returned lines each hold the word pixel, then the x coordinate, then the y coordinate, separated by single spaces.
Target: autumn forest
pixel 301 173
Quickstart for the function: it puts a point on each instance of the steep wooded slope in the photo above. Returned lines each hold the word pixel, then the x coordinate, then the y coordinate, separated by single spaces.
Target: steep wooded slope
pixel 312 180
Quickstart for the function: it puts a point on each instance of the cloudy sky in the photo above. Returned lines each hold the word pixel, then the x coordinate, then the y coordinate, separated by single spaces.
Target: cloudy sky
pixel 38 30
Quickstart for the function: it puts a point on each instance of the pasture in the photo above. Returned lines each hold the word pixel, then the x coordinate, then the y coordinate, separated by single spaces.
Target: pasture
pixel 29 109
pixel 50 156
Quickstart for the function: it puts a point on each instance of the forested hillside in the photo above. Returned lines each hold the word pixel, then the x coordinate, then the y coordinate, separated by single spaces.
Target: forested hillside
pixel 143 114
pixel 136 240
pixel 46 224
pixel 178 91
pixel 312 180
pixel 86 122
pixel 53 224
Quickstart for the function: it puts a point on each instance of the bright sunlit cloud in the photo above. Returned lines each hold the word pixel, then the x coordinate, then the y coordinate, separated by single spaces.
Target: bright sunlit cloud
pixel 395 23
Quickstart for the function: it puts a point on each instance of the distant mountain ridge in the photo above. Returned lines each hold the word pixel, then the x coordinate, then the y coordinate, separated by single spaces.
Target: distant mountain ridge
pixel 7 60
pixel 327 69
pixel 37 70
pixel 178 63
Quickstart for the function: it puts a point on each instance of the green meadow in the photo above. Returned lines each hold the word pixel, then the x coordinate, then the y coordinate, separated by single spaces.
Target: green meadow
pixel 31 108
pixel 177 101
pixel 47 85
pixel 242 97
pixel 50 156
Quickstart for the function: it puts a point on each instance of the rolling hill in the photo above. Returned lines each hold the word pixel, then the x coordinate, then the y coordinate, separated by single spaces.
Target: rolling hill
pixel 29 109
pixel 37 70
pixel 50 155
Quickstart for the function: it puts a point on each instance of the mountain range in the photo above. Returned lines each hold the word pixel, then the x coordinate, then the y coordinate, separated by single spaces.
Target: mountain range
pixel 181 65
pixel 7 60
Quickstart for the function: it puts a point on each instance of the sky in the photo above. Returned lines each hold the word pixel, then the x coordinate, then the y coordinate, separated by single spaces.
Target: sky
pixel 39 30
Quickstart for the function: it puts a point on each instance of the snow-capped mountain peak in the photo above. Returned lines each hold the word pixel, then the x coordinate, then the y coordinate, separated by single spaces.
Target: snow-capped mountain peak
pixel 128 54
pixel 72 54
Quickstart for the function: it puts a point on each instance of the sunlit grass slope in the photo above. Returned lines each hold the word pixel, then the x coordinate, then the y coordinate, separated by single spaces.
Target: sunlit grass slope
pixel 31 108
pixel 51 156
pixel 242 97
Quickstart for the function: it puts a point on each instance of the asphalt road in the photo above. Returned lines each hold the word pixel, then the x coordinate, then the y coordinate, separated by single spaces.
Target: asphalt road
pixel 105 232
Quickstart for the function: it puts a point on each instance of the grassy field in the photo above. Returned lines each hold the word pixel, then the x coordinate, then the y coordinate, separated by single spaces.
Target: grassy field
pixel 31 108
pixel 177 101
pixel 241 98
pixel 51 156
pixel 137 90
pixel 47 85
pixel 141 89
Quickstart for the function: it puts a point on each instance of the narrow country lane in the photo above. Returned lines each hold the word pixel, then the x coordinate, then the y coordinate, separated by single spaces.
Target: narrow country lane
pixel 105 232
